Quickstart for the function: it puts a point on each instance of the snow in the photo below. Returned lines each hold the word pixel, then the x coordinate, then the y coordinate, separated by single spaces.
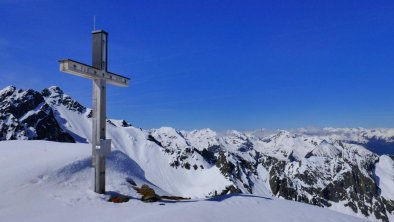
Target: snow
pixel 149 156
pixel 319 152
pixel 199 183
pixel 349 134
pixel 339 206
pixel 385 173
pixel 168 137
pixel 183 182
pixel 262 183
pixel 201 139
pixel 32 112
pixel 7 89
pixel 48 181
pixel 77 124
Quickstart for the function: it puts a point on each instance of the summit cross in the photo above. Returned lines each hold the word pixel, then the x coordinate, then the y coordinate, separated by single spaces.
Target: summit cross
pixel 101 147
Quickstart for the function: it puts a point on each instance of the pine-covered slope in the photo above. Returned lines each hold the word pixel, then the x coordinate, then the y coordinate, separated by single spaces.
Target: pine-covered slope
pixel 336 168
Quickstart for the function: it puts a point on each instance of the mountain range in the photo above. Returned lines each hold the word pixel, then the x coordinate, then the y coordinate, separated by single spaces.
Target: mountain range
pixel 350 170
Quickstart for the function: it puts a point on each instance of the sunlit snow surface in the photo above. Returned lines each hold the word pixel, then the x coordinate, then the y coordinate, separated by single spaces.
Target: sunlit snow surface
pixel 47 181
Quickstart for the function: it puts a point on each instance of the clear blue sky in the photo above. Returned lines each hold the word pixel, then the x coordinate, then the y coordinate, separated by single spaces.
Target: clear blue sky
pixel 219 64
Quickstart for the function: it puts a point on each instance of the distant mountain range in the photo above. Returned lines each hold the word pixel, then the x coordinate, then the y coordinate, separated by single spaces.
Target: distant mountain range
pixel 350 170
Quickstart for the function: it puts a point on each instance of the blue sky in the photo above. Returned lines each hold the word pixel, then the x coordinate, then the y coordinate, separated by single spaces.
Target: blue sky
pixel 219 64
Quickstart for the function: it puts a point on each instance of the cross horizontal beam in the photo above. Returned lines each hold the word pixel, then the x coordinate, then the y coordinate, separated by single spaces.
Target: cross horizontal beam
pixel 86 71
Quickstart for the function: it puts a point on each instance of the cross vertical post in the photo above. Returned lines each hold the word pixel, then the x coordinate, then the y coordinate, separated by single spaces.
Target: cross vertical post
pixel 99 61
pixel 101 147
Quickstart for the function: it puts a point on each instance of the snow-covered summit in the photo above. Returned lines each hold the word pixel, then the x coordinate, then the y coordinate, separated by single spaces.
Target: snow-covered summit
pixel 336 168
pixel 53 183
pixel 6 91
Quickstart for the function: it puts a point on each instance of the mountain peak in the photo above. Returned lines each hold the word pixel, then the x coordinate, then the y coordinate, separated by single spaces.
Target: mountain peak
pixel 7 90
pixel 52 91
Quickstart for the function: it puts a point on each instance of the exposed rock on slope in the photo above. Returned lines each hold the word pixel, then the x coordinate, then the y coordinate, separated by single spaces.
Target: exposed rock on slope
pixel 27 115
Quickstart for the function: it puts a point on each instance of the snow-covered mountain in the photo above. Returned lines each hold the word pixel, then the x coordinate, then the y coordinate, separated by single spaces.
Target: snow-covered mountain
pixel 343 169
pixel 51 181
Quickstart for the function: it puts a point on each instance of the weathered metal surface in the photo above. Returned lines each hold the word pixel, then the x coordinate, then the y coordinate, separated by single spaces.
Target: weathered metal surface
pixel 90 72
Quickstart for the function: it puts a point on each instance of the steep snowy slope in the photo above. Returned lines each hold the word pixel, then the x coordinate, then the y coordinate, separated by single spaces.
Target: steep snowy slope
pixel 48 181
pixel 133 142
pixel 384 172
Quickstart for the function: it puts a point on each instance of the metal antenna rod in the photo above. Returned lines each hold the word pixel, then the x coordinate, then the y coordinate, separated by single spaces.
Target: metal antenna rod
pixel 94 23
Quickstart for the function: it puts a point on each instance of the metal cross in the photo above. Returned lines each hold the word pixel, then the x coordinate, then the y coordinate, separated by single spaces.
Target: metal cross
pixel 101 146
